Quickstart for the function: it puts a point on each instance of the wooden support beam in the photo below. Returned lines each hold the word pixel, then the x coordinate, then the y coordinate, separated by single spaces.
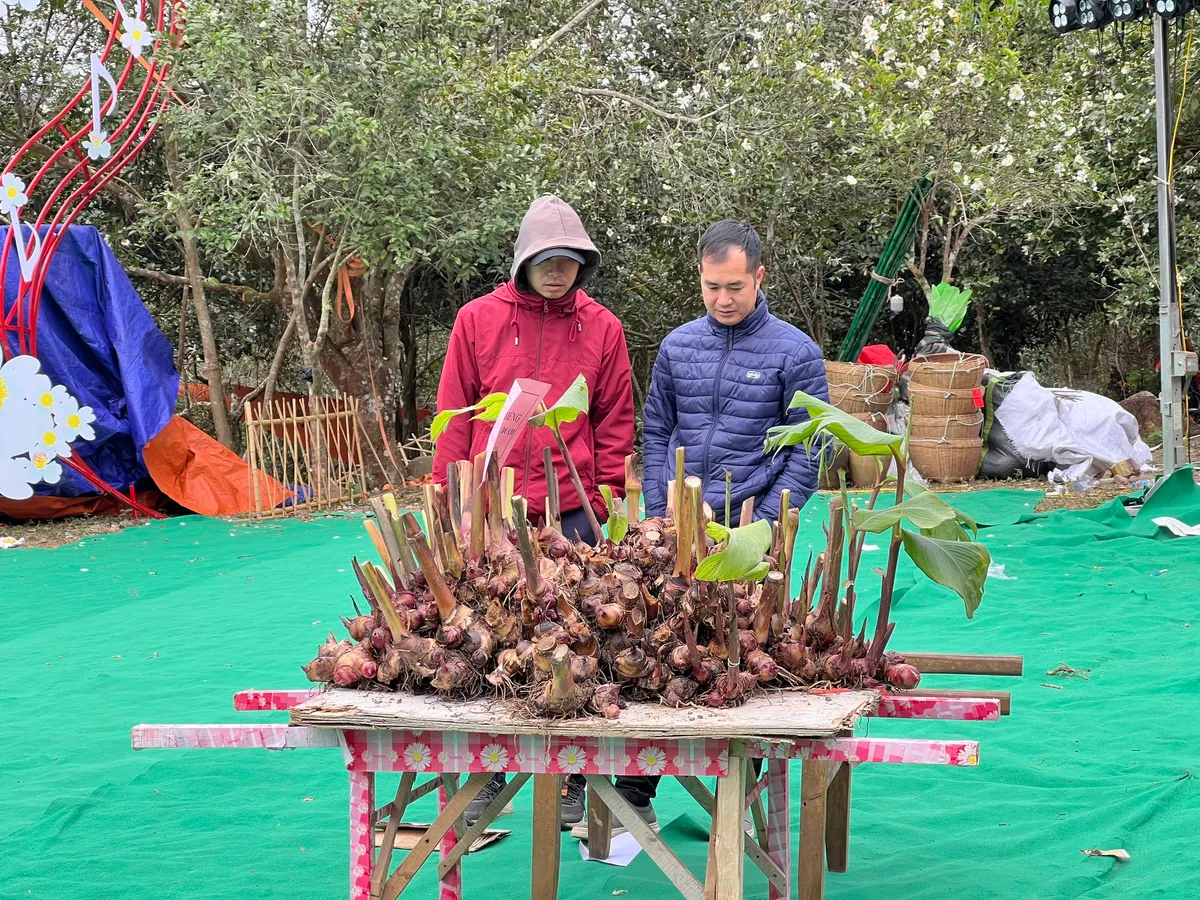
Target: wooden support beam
pixel 964 664
pixel 395 812
pixel 599 826
pixel 810 861
pixel 651 843
pixel 547 836
pixel 416 857
pixel 728 835
pixel 837 818
pixel 489 816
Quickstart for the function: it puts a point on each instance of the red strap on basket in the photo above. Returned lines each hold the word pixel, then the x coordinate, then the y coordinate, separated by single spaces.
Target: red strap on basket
pixel 977 396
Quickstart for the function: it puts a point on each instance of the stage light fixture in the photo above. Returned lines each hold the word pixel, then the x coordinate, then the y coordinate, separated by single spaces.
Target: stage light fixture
pixel 1064 15
pixel 1094 14
pixel 1129 10
pixel 1172 9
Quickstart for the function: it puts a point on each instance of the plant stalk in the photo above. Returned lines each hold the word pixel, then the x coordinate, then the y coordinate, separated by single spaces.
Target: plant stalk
pixel 633 490
pixel 553 514
pixel 597 534
pixel 478 507
pixel 695 504
pixel 533 585
pixel 447 603
pixel 889 579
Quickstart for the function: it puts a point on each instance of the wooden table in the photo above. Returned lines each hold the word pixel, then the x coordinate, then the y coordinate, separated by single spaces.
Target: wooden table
pixel 417 735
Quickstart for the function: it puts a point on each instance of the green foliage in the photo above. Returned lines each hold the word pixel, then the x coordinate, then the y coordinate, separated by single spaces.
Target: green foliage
pixel 489 407
pixel 742 556
pixel 961 566
pixel 567 408
pixel 926 511
pixel 854 433
pixel 618 519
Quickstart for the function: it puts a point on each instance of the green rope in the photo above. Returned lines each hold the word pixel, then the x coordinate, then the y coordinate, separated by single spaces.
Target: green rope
pixel 884 275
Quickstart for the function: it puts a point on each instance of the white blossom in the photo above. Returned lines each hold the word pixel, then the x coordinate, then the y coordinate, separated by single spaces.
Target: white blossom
pixel 1016 93
pixel 851 180
pixel 1008 160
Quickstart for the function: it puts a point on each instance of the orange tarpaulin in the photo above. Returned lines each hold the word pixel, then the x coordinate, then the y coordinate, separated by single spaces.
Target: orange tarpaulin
pixel 204 476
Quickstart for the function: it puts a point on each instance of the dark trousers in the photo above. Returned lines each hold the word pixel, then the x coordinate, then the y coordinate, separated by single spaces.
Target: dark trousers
pixel 639 790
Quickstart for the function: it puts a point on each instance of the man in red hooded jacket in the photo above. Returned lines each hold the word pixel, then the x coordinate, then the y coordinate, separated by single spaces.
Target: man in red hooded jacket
pixel 541 325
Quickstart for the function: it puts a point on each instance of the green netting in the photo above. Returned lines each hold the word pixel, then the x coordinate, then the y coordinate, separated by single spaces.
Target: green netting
pixel 163 623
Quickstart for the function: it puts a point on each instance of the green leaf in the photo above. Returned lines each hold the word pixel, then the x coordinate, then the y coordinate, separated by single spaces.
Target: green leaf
pixel 759 572
pixel 618 520
pixel 567 408
pixel 926 510
pixel 717 531
pixel 953 530
pixel 961 566
pixel 743 552
pixel 490 406
pixel 858 436
pixel 781 436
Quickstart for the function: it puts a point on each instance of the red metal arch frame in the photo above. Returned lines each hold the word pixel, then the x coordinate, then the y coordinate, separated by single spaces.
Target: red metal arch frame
pixel 74 190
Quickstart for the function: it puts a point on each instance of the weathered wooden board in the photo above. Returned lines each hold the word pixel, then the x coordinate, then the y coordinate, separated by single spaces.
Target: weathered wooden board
pixel 777 714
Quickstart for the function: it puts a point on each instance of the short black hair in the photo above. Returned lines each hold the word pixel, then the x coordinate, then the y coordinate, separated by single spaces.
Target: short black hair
pixel 720 237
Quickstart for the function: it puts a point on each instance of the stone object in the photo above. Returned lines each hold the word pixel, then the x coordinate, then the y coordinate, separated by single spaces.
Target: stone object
pixel 1144 406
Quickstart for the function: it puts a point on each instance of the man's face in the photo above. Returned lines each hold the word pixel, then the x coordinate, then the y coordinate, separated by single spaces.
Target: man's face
pixel 553 277
pixel 729 287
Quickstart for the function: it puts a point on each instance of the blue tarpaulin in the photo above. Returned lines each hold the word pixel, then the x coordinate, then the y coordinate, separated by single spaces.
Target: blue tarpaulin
pixel 95 336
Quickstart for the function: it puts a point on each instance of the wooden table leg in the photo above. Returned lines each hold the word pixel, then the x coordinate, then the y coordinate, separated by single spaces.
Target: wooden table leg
pixel 728 836
pixel 395 812
pixel 547 836
pixel 599 826
pixel 810 862
pixel 362 833
pixel 779 825
pixel 450 881
pixel 837 819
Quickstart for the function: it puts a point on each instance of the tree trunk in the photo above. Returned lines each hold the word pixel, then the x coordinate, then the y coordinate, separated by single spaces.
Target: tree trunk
pixel 208 340
pixel 981 328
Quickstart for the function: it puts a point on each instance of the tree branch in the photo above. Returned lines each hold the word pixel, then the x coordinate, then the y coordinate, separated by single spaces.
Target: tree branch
pixel 641 104
pixel 582 13
pixel 210 284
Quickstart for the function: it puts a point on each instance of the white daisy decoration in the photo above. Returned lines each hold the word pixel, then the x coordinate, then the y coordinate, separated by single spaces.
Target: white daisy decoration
pixel 705 763
pixel 45 467
pixel 494 757
pixel 136 37
pixel 17 477
pixel 599 760
pixel 678 762
pixel 626 762
pixel 393 757
pixel 359 871
pixel 572 759
pixel 519 759
pixel 441 757
pixel 651 760
pixel 366 756
pixel 723 762
pixel 418 756
pixel 97 144
pixel 12 193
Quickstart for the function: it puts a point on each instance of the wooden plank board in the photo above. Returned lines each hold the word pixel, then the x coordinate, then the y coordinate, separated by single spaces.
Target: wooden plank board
pixel 964 664
pixel 547 837
pixel 771 714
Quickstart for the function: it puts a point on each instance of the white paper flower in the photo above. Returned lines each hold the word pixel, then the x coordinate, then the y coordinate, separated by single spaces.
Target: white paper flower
pixel 136 37
pixel 418 757
pixel 651 760
pixel 1016 93
pixel 494 757
pixel 97 145
pixel 12 194
pixel 572 759
pixel 17 478
pixel 45 468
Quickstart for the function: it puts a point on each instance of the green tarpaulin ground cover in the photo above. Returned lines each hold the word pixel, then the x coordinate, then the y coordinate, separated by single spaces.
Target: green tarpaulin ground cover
pixel 163 623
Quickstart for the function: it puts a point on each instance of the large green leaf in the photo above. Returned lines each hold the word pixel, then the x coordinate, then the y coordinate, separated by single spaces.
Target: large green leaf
pixel 744 550
pixel 961 566
pixel 857 435
pixel 951 530
pixel 491 406
pixel 926 510
pixel 567 408
pixel 781 436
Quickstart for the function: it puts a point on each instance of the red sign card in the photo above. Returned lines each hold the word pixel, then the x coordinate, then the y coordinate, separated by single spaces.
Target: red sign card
pixel 522 402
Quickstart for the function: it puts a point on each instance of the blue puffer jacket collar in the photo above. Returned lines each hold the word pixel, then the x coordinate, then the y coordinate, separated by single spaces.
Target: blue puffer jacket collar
pixel 756 320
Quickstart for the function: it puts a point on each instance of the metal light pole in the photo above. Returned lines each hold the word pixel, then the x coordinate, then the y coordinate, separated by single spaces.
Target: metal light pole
pixel 1176 365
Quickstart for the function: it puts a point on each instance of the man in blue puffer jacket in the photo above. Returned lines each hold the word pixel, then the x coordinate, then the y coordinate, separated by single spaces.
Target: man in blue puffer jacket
pixel 721 381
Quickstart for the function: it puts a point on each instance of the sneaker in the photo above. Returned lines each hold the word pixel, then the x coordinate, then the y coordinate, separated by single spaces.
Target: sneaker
pixel 477 807
pixel 748 826
pixel 573 810
pixel 646 813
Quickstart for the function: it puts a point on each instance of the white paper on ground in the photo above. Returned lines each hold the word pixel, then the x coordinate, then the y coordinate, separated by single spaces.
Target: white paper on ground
pixel 1177 528
pixel 621 850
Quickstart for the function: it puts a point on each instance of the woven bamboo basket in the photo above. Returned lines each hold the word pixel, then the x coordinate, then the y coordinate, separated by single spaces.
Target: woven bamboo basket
pixel 939 460
pixel 943 402
pixel 948 370
pixel 952 428
pixel 865 470
pixel 866 380
pixel 828 479
pixel 851 400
